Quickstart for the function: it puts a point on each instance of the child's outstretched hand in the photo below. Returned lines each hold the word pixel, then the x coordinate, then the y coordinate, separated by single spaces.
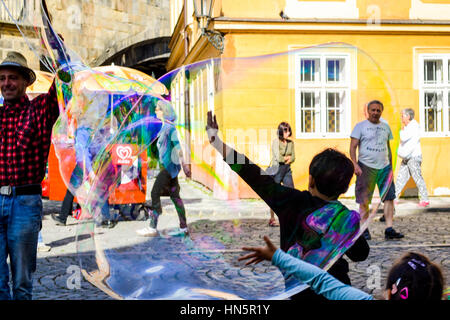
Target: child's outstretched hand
pixel 259 254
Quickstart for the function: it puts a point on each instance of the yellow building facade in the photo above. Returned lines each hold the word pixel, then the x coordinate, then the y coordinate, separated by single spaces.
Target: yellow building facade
pixel 315 64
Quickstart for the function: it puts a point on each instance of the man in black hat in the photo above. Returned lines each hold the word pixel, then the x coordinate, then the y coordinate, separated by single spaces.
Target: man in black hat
pixel 25 137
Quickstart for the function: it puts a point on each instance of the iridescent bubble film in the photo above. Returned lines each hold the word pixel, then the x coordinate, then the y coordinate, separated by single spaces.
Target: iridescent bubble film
pixel 108 143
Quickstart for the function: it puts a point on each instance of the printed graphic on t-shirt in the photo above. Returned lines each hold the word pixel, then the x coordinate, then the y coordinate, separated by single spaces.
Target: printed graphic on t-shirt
pixel 376 139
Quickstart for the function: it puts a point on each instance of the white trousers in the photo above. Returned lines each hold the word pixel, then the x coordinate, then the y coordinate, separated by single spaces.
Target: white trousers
pixel 408 168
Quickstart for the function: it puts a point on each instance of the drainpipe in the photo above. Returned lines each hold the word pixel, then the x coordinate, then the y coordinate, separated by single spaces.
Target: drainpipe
pixel 186 44
pixel 187 109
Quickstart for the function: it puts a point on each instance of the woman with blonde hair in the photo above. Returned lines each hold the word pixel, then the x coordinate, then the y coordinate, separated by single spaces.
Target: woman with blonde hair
pixel 170 160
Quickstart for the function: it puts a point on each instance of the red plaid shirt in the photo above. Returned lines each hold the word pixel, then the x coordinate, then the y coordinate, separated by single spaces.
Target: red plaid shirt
pixel 25 138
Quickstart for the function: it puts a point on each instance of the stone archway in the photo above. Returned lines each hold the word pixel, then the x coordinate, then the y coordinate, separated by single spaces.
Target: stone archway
pixel 149 56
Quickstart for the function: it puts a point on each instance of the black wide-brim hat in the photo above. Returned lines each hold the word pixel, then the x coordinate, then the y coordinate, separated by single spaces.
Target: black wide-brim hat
pixel 15 60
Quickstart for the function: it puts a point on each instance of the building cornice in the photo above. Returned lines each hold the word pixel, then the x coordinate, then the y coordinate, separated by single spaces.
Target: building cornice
pixel 354 21
pixel 238 25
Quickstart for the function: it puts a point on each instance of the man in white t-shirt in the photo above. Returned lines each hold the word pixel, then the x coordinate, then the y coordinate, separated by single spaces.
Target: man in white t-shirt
pixel 411 154
pixel 374 165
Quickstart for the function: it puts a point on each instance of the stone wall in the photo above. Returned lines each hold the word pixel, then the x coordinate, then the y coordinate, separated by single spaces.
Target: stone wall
pixel 92 28
pixel 11 41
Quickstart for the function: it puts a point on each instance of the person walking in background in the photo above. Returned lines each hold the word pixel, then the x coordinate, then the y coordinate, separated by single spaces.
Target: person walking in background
pixel 411 154
pixel 171 160
pixel 283 154
pixel 88 142
pixel 374 166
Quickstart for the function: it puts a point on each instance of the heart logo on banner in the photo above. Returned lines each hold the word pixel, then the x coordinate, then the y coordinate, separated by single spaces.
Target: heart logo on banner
pixel 124 153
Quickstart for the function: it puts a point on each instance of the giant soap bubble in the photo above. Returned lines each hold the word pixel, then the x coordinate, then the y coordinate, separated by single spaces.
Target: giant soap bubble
pixel 108 127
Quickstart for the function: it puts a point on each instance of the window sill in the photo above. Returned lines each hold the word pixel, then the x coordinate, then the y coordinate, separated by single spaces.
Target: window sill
pixel 434 135
pixel 316 136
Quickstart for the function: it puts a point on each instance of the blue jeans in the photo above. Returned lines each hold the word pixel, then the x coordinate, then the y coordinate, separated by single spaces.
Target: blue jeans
pixel 284 175
pixel 20 223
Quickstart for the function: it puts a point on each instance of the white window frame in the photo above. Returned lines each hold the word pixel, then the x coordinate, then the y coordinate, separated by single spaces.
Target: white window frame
pixel 202 96
pixel 320 88
pixel 442 87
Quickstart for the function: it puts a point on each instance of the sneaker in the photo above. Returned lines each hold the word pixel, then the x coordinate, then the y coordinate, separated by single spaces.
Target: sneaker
pixel 424 204
pixel 178 232
pixel 109 224
pixel 76 213
pixel 147 232
pixel 390 234
pixel 42 247
pixel 366 235
pixel 58 220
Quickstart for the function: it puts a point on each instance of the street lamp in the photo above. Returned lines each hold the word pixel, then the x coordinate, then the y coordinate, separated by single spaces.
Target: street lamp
pixel 203 10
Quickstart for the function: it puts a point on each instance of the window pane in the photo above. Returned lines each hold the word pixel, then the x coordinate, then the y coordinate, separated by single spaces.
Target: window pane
pixel 309 70
pixel 307 104
pixel 433 71
pixel 332 103
pixel 335 68
pixel 433 105
pixel 334 106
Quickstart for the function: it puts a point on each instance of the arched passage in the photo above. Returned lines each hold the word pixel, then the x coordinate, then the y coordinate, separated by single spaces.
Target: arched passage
pixel 149 56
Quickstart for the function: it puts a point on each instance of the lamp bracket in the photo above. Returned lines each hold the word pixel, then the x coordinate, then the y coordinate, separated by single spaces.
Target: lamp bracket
pixel 215 38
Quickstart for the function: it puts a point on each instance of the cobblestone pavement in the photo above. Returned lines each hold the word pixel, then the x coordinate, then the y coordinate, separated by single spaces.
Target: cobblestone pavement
pixel 56 278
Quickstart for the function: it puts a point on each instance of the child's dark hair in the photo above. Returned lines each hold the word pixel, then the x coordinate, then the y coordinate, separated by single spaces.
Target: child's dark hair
pixel 332 171
pixel 416 278
pixel 282 127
